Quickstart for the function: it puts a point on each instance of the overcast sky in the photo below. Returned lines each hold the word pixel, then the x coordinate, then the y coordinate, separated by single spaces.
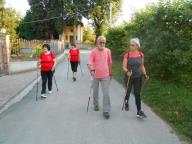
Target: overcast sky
pixel 128 7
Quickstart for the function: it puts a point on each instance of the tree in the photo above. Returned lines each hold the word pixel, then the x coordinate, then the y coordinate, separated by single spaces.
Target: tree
pixel 58 14
pixel 88 35
pixel 100 13
pixel 61 13
pixel 165 34
pixel 11 22
pixel 9 19
pixel 2 3
pixel 25 30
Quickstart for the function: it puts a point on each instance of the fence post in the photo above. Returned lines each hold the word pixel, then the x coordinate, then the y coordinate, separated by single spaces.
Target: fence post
pixel 6 54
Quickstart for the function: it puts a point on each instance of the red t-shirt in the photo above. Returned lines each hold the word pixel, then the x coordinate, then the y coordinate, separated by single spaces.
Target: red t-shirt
pixel 47 61
pixel 74 55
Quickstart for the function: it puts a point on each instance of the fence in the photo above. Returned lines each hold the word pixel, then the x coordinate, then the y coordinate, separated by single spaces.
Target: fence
pixel 1 55
pixel 28 50
pixel 4 54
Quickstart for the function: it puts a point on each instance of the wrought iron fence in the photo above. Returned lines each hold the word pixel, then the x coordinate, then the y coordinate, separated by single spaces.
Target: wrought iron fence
pixel 25 49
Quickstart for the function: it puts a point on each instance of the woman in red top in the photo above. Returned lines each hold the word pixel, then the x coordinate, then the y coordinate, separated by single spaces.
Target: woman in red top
pixel 74 59
pixel 47 63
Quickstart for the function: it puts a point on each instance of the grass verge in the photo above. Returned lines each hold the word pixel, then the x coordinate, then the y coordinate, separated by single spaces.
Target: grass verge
pixel 173 102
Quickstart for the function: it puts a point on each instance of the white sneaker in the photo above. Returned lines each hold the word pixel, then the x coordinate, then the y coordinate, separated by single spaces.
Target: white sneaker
pixel 43 96
pixel 49 92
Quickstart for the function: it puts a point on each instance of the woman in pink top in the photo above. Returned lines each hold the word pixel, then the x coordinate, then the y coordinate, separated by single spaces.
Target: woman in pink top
pixel 100 65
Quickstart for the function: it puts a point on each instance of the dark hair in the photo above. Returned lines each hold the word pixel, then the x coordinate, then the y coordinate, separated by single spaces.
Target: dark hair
pixel 74 44
pixel 46 46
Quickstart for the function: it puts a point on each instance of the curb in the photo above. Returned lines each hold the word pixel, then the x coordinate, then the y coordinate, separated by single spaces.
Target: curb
pixel 23 92
pixel 19 96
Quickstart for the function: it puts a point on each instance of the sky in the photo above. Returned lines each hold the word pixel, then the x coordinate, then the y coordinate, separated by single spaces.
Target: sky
pixel 128 8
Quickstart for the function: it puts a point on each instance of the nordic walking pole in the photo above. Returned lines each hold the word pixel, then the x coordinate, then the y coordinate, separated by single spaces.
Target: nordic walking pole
pixel 90 94
pixel 37 84
pixel 55 83
pixel 126 92
pixel 81 69
pixel 88 103
pixel 68 69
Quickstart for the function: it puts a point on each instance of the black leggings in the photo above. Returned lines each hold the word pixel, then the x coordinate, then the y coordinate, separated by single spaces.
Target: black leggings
pixel 137 84
pixel 46 76
pixel 74 66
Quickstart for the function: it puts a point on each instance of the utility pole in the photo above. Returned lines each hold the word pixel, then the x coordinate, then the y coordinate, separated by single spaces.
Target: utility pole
pixel 74 22
pixel 110 16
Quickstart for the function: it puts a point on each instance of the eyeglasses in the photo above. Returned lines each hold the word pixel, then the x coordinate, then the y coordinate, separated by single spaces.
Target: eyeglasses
pixel 132 45
pixel 102 42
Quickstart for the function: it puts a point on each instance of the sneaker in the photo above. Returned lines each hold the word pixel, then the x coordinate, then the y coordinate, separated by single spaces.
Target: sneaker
pixel 49 92
pixel 141 114
pixel 74 79
pixel 106 115
pixel 43 96
pixel 126 106
pixel 96 108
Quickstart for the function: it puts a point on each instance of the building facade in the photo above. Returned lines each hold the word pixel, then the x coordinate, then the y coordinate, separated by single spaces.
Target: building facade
pixel 73 34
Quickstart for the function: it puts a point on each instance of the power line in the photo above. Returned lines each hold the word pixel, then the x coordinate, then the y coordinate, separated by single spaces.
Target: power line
pixel 41 20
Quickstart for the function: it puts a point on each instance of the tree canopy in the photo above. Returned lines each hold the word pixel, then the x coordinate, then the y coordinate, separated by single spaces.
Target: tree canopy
pixel 55 15
pixel 165 31
pixel 100 14
pixel 9 19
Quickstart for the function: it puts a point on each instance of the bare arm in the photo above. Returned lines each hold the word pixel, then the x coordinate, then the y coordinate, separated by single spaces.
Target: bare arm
pixel 79 56
pixel 124 65
pixel 110 63
pixel 90 67
pixel 55 63
pixel 39 64
pixel 143 70
pixel 143 67
pixel 125 69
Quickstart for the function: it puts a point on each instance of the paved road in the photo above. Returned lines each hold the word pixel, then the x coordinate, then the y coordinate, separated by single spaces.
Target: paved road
pixel 62 118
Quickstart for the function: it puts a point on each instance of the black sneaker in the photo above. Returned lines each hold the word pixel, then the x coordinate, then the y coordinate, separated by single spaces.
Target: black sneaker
pixel 74 79
pixel 126 106
pixel 96 108
pixel 106 115
pixel 141 114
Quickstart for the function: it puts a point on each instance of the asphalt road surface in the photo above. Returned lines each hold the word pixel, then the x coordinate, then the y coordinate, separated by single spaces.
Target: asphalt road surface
pixel 62 117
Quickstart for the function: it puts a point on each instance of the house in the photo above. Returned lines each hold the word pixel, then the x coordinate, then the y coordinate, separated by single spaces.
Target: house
pixel 73 33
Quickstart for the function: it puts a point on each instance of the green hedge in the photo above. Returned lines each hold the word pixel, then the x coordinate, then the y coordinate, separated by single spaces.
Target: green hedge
pixel 165 31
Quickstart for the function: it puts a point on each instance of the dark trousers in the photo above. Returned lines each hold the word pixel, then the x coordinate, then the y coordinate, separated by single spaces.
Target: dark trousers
pixel 46 76
pixel 74 66
pixel 136 83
